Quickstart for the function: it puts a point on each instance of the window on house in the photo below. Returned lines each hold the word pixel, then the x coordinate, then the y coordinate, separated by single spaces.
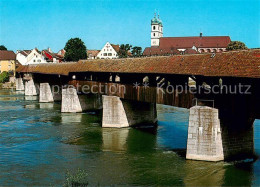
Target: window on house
pixel 39 60
pixel 105 54
pixel 109 54
pixel 33 60
pixel 153 27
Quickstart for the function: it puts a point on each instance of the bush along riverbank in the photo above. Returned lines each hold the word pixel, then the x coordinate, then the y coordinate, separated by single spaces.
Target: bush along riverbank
pixel 7 80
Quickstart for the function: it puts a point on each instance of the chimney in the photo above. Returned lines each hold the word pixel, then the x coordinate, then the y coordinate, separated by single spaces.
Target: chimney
pixel 49 49
pixel 201 34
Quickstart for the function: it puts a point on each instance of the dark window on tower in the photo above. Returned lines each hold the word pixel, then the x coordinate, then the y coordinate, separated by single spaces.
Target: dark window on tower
pixel 153 34
pixel 153 27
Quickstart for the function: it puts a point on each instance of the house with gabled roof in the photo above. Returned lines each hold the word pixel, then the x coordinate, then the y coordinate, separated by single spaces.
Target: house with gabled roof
pixel 61 52
pixel 109 51
pixel 26 57
pixel 7 61
pixel 92 54
pixel 52 57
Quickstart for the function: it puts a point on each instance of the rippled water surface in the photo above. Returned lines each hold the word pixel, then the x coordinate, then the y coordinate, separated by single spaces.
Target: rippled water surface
pixel 38 145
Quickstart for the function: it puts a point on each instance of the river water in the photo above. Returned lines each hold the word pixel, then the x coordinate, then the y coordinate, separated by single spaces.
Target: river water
pixel 38 145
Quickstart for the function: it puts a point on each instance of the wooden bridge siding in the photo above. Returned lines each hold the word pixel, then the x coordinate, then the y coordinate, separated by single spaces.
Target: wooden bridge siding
pixel 141 93
pixel 149 94
pixel 51 79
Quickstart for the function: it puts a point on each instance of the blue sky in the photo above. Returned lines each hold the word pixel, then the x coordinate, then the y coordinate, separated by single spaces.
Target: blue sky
pixel 27 24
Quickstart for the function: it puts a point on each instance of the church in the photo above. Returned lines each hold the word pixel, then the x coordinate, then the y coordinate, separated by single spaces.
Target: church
pixel 182 45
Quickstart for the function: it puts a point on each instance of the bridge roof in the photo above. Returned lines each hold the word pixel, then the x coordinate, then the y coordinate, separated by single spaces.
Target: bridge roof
pixel 244 63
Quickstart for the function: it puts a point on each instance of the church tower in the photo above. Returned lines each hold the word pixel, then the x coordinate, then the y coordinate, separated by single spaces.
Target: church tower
pixel 156 30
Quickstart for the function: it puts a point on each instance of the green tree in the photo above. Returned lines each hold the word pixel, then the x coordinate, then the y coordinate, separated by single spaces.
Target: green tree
pixel 2 47
pixel 236 45
pixel 75 50
pixel 4 77
pixel 137 51
pixel 123 50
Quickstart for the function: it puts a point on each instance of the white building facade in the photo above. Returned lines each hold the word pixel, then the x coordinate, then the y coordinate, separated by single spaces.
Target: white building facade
pixel 156 31
pixel 27 57
pixel 109 51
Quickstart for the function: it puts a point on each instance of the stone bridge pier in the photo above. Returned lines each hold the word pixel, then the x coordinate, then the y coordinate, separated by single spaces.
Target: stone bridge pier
pixel 19 85
pixel 49 93
pixel 46 94
pixel 31 88
pixel 124 113
pixel 218 134
pixel 74 102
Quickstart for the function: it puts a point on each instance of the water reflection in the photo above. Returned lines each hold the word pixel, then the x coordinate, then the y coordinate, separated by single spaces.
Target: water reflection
pixel 71 118
pixel 17 92
pixel 46 105
pixel 30 106
pixel 239 174
pixel 115 139
pixel 38 144
pixel 31 98
pixel 199 173
pixel 8 98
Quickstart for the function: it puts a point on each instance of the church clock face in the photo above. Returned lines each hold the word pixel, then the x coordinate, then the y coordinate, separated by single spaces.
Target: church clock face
pixel 154 42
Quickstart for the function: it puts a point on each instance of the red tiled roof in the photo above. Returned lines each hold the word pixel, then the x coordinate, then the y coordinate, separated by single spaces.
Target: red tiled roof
pixel 191 51
pixel 62 52
pixel 93 52
pixel 244 63
pixel 49 56
pixel 7 55
pixel 129 53
pixel 169 45
pixel 116 47
pixel 25 52
pixel 157 51
pixel 152 51
pixel 197 41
